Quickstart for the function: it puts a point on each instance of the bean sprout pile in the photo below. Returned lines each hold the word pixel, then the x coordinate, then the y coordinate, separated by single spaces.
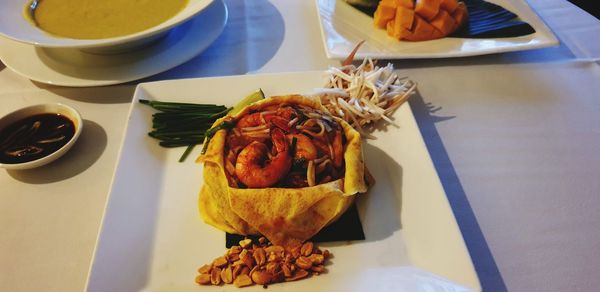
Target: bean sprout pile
pixel 365 94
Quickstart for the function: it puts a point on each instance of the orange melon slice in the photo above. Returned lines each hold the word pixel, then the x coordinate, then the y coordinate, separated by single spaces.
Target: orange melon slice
pixel 444 22
pixel 427 9
pixel 437 34
pixel 405 17
pixel 449 5
pixel 384 13
pixel 422 30
pixel 390 27
pixel 406 3
pixel 460 15
pixel 420 20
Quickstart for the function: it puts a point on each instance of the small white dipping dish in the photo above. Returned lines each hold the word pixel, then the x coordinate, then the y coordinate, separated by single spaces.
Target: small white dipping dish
pixel 51 108
pixel 13 25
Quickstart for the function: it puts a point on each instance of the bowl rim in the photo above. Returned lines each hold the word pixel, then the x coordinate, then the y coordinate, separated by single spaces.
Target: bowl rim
pixel 192 8
pixel 53 108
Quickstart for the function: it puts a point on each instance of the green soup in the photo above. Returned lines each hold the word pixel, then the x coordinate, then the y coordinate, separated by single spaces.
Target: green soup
pixel 98 19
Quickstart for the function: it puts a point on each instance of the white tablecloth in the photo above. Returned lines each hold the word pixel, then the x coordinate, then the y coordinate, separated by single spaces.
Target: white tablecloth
pixel 514 137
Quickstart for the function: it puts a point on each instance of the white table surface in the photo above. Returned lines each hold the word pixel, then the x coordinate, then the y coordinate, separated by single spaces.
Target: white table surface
pixel 514 137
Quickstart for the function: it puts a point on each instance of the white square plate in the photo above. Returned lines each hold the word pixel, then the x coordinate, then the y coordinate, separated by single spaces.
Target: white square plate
pixel 343 26
pixel 152 238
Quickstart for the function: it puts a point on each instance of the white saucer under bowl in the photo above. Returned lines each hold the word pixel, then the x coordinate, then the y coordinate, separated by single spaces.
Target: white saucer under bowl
pixel 76 68
pixel 15 26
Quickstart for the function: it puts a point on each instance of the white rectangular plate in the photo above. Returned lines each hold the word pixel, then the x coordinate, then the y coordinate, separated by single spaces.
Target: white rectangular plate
pixel 343 26
pixel 152 238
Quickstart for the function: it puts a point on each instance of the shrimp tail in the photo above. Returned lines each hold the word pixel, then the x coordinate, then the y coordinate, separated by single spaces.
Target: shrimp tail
pixel 279 141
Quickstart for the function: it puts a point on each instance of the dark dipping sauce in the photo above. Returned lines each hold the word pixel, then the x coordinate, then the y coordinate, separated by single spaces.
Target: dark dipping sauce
pixel 34 137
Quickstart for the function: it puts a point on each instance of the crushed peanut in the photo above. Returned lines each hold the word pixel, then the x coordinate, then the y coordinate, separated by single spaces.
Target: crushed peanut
pixel 262 263
pixel 307 248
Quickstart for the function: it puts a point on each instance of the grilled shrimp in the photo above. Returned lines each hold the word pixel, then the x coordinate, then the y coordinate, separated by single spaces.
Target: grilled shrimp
pixel 338 150
pixel 255 169
pixel 251 120
pixel 279 118
pixel 304 147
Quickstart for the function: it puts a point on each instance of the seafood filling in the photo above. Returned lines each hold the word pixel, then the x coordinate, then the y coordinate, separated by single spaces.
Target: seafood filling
pixel 286 146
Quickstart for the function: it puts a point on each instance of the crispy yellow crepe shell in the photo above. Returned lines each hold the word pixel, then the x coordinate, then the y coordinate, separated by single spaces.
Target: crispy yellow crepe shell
pixel 286 216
